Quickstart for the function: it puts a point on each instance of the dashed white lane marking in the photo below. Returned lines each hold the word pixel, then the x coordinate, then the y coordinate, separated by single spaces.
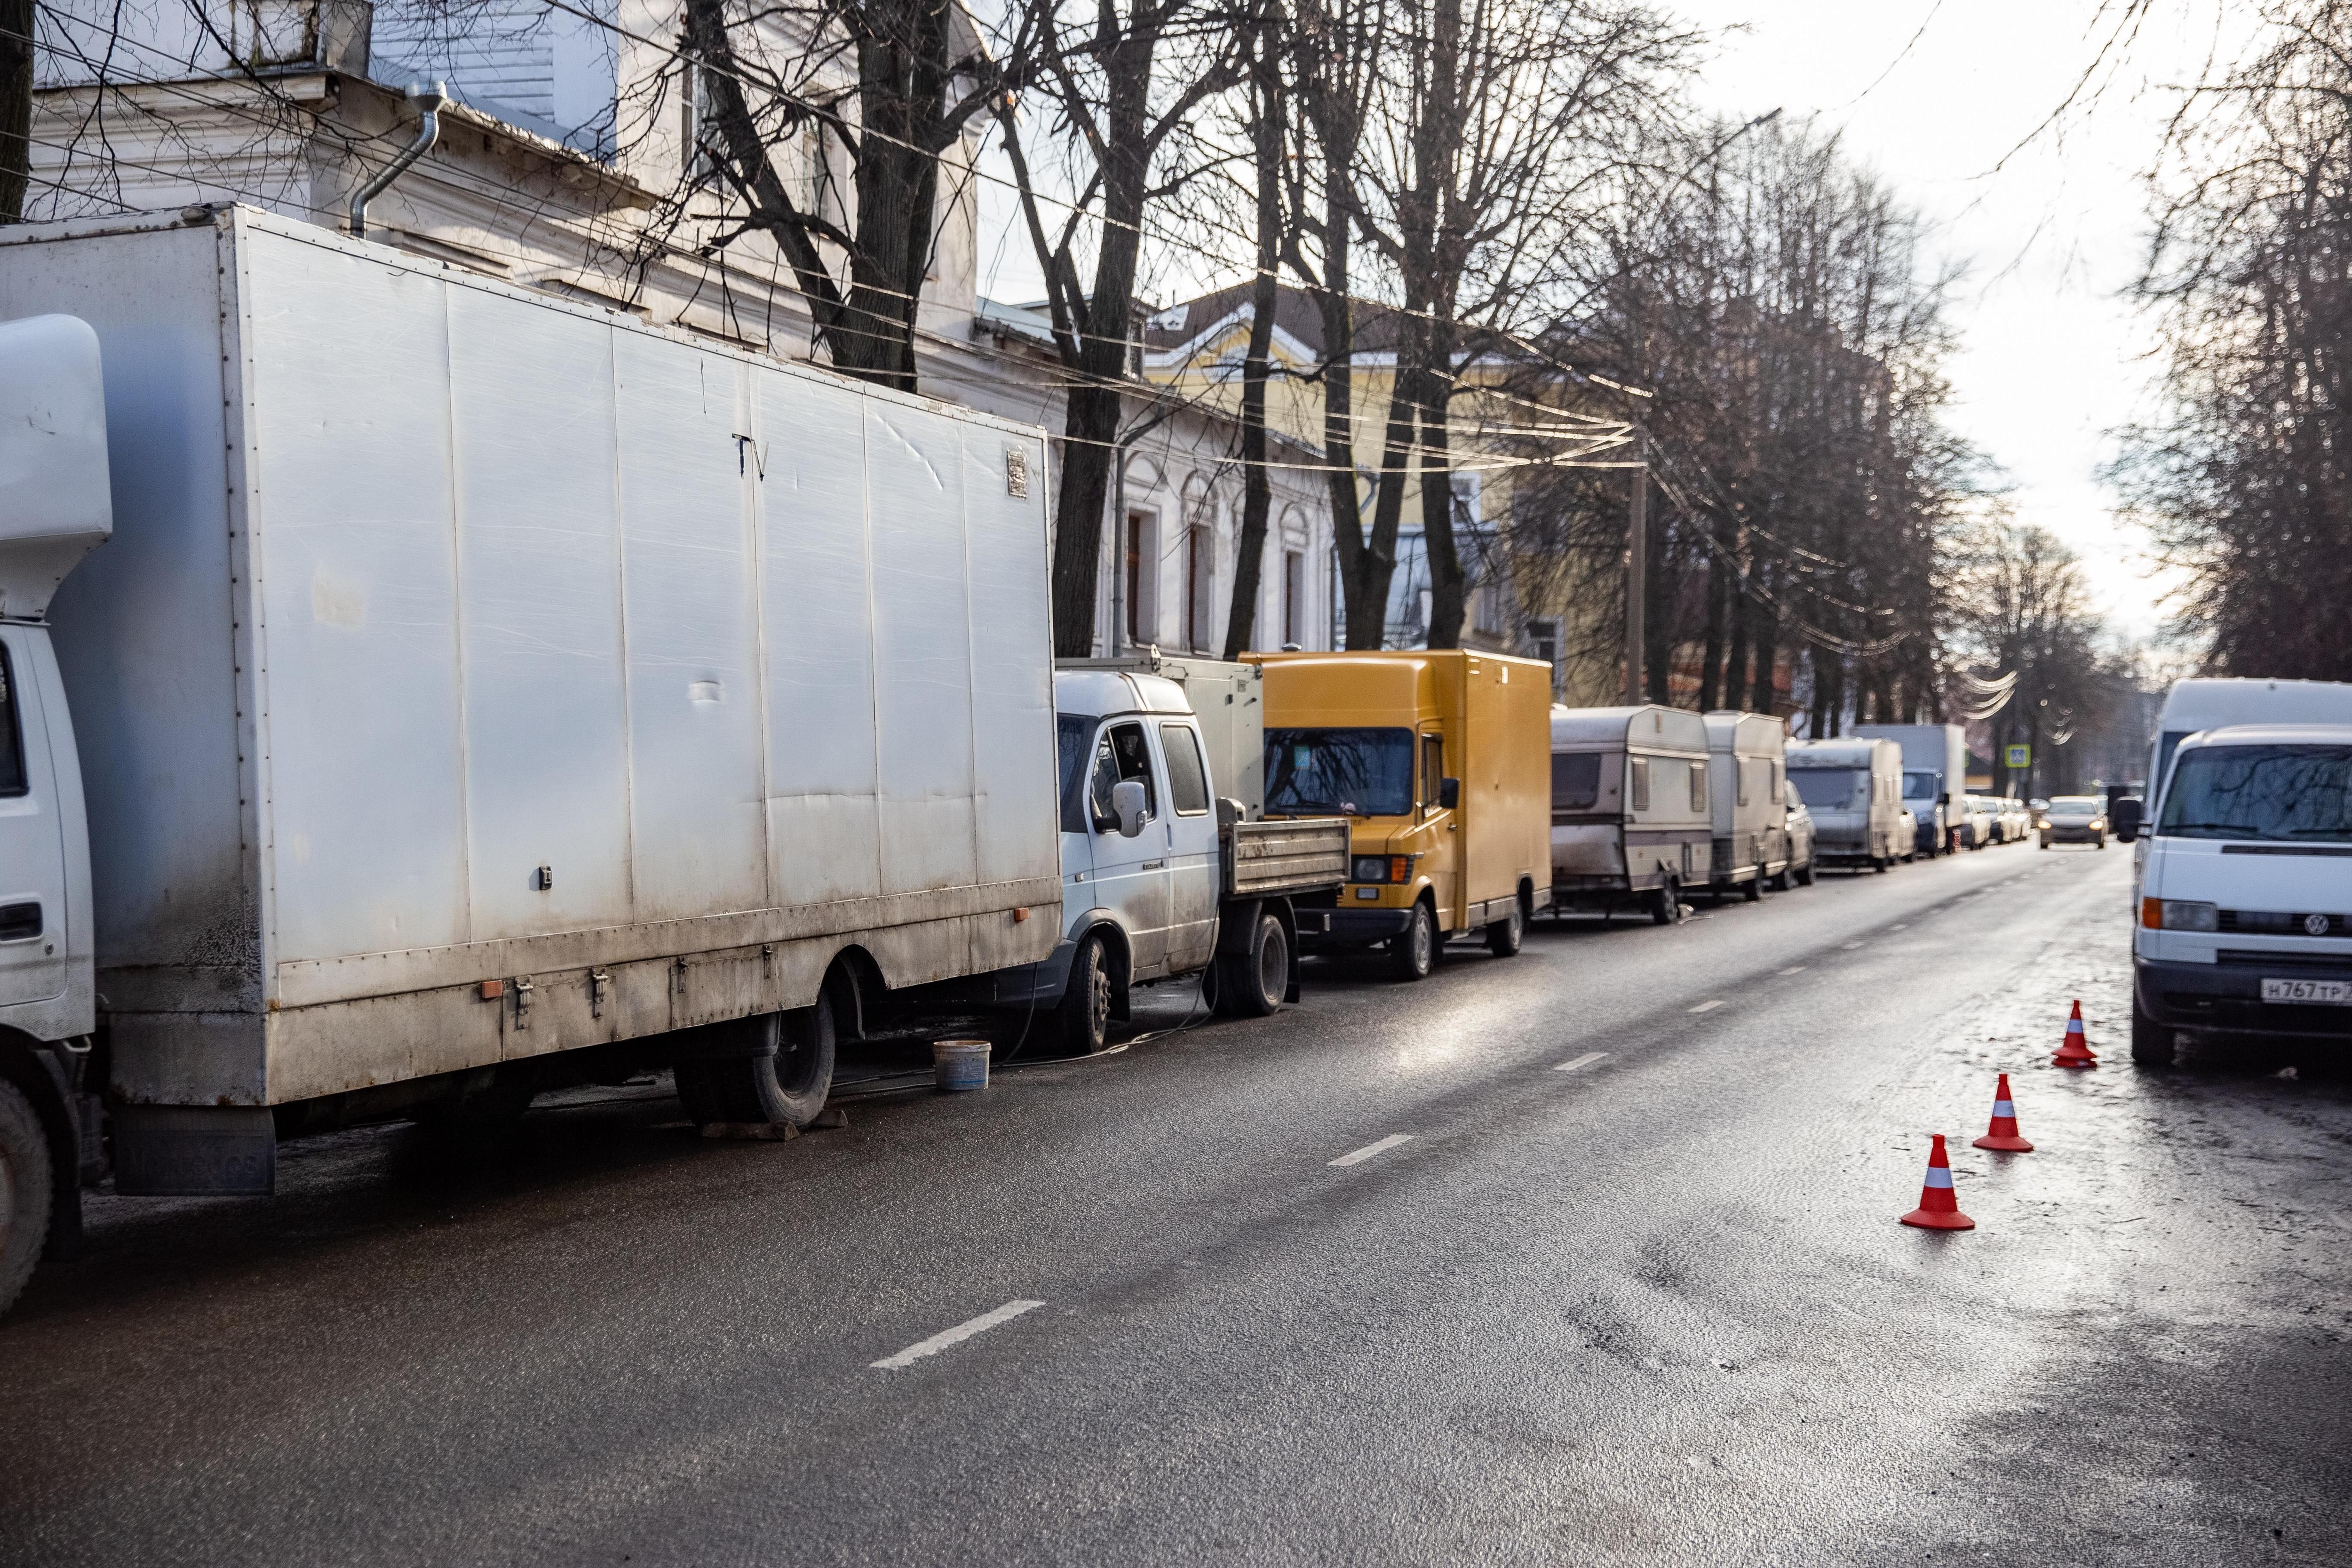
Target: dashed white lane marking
pixel 1704 1008
pixel 955 1336
pixel 1359 1156
pixel 1794 969
pixel 1586 1060
pixel 1900 925
pixel 1850 946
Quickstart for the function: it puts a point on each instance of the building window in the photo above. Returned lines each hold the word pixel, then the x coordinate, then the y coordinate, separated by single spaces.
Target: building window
pixel 1200 584
pixel 1136 584
pixel 1294 597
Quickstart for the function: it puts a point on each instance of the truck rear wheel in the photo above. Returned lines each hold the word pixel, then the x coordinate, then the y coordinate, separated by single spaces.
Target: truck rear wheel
pixel 1412 951
pixel 1752 889
pixel 1082 1018
pixel 1252 984
pixel 26 1190
pixel 1504 936
pixel 788 1084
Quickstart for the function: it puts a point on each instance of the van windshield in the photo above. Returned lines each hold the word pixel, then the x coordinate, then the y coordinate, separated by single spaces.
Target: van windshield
pixel 1919 786
pixel 1831 787
pixel 1355 773
pixel 2302 793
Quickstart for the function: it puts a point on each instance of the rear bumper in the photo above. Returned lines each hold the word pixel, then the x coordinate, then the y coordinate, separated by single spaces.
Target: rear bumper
pixel 2228 997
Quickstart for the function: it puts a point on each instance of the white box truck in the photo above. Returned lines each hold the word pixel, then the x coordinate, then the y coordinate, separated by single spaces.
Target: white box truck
pixel 1934 780
pixel 480 692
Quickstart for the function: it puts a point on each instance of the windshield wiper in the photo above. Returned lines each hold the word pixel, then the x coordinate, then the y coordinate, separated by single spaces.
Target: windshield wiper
pixel 2242 829
pixel 2319 832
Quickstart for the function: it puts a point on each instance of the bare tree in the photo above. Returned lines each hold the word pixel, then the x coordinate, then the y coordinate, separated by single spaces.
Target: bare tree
pixel 1268 143
pixel 2245 479
pixel 1120 87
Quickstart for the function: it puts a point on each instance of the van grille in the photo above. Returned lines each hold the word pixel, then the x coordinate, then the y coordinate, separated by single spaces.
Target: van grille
pixel 2271 922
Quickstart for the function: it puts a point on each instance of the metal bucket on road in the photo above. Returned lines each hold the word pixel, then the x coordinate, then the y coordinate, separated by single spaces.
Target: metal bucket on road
pixel 960 1065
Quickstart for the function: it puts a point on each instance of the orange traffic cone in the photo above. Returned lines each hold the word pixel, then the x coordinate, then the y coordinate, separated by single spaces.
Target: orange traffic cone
pixel 2076 1051
pixel 1939 1209
pixel 2002 1134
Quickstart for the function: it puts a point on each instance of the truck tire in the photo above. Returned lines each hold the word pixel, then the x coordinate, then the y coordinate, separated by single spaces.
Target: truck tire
pixel 1412 951
pixel 1252 984
pixel 791 1084
pixel 1752 889
pixel 1082 1018
pixel 2153 1045
pixel 1805 875
pixel 27 1191
pixel 1504 936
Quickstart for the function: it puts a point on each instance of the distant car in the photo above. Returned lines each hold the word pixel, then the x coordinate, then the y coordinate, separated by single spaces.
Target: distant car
pixel 2073 819
pixel 1799 869
pixel 2016 820
pixel 1980 825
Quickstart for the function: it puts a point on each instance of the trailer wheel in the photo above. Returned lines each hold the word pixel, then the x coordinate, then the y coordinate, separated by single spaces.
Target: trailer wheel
pixel 1666 903
pixel 1504 936
pixel 1412 951
pixel 789 1085
pixel 1252 984
pixel 25 1191
pixel 1082 1019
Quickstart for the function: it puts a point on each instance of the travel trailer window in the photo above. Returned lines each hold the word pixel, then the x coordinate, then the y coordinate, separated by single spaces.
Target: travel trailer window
pixel 1698 787
pixel 1779 789
pixel 1575 779
pixel 1739 778
pixel 1641 783
pixel 1354 773
pixel 2299 794
pixel 1831 788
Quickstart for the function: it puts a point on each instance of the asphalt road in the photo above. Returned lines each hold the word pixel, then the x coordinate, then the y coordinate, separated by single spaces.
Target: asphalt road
pixel 1654 1307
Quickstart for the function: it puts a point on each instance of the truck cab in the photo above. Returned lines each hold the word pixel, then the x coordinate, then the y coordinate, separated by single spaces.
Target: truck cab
pixel 55 505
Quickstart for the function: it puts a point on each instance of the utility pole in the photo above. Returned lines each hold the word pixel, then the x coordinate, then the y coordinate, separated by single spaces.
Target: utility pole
pixel 1637 562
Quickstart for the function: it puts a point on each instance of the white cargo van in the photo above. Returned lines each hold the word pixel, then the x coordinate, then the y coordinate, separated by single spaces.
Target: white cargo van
pixel 2245 893
pixel 1854 789
pixel 480 693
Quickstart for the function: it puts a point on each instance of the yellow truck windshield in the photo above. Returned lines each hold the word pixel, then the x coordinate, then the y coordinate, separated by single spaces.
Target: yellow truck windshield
pixel 1350 773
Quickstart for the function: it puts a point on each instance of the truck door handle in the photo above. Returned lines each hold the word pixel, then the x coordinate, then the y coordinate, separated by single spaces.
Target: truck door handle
pixel 19 922
pixel 1148 865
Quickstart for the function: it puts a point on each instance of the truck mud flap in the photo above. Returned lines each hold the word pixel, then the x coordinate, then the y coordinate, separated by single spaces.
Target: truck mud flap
pixel 195 1151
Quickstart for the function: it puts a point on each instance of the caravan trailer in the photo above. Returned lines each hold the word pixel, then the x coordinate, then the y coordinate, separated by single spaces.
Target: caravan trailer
pixel 1748 793
pixel 1631 823
pixel 1854 789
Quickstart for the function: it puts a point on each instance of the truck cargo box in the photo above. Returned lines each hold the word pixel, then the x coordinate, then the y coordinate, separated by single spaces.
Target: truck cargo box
pixel 474 674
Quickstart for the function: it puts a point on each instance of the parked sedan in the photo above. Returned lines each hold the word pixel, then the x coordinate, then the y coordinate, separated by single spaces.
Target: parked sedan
pixel 1980 825
pixel 2016 819
pixel 2073 819
pixel 1799 869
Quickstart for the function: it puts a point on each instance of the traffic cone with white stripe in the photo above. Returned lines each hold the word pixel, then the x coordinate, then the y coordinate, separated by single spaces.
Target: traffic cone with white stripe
pixel 1939 1209
pixel 2002 1134
pixel 2075 1052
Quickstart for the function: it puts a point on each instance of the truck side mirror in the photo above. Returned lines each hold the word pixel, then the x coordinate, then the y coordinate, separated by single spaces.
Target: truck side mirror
pixel 1127 804
pixel 2127 814
pixel 1449 794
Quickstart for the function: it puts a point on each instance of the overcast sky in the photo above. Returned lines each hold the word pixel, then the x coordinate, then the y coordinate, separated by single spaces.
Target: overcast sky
pixel 1934 94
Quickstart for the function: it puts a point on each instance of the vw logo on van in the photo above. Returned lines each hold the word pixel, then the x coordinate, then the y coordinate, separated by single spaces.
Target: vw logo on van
pixel 2317 925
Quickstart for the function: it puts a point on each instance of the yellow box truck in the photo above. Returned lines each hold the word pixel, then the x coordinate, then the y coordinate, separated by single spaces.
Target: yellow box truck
pixel 1441 761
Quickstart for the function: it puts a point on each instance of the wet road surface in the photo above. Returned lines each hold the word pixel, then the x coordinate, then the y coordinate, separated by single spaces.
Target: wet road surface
pixel 1587 1256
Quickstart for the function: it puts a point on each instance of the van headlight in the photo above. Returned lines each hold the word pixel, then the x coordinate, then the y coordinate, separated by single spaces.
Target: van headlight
pixel 1369 868
pixel 2186 914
